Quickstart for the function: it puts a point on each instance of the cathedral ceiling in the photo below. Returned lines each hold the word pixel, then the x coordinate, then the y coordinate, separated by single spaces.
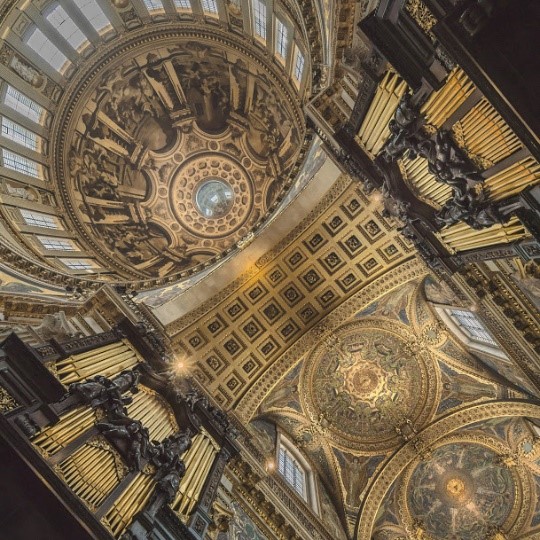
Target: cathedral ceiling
pixel 371 384
pixel 242 341
pixel 170 155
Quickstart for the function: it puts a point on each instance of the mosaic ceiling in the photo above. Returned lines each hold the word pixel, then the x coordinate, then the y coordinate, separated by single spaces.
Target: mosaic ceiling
pixel 170 154
pixel 365 379
pixel 373 384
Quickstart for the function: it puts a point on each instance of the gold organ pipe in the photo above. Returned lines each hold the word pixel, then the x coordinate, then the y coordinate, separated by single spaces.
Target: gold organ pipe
pixel 374 129
pixel 202 473
pixel 129 503
pixel 485 134
pixel 207 454
pixel 198 462
pixel 153 412
pixel 423 183
pixel 443 103
pixel 107 361
pixel 71 425
pixel 371 116
pixel 513 180
pixel 91 473
pixel 461 237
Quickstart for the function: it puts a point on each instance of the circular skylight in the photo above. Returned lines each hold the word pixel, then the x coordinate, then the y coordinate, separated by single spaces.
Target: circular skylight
pixel 214 198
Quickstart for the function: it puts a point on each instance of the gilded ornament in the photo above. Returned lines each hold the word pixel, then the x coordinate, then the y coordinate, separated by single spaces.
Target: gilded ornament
pixel 422 15
pixel 7 401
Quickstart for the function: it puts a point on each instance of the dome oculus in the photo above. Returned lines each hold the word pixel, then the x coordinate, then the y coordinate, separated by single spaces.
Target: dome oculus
pixel 214 198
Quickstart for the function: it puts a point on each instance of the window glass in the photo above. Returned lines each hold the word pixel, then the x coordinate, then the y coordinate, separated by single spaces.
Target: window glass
pixel 20 164
pixel 182 4
pixel 472 326
pixel 79 264
pixel 153 5
pixel 91 10
pixel 299 65
pixel 66 27
pixel 292 471
pixel 62 244
pixel 43 46
pixel 22 104
pixel 282 39
pixel 209 6
pixel 259 14
pixel 19 134
pixel 37 219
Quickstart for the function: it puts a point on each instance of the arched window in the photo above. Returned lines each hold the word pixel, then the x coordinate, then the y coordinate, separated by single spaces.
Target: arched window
pixel 296 471
pixel 282 39
pixel 57 244
pixel 209 7
pixel 292 471
pixel 183 4
pixel 298 65
pixel 153 5
pixel 472 326
pixel 259 18
pixel 80 265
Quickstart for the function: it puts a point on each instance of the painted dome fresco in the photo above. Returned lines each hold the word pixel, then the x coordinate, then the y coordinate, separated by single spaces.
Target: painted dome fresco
pixel 164 140
pixel 463 491
pixel 365 380
pixel 175 153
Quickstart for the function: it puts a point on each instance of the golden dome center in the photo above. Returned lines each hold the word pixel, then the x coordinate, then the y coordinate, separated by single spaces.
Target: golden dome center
pixel 365 382
pixel 455 487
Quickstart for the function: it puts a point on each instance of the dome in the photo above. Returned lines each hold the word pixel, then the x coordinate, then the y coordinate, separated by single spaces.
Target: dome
pixel 368 386
pixel 168 140
pixel 463 491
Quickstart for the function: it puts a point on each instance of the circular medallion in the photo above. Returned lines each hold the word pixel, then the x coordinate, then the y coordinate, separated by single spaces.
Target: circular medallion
pixel 366 383
pixel 462 491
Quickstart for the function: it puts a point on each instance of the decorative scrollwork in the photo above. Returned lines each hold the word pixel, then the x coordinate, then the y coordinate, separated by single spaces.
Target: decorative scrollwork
pixel 7 401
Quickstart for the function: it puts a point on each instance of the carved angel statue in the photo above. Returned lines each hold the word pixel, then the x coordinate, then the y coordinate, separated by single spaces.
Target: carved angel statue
pixel 166 489
pixel 130 437
pixel 103 392
pixel 404 129
pixel 169 451
pixel 54 326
